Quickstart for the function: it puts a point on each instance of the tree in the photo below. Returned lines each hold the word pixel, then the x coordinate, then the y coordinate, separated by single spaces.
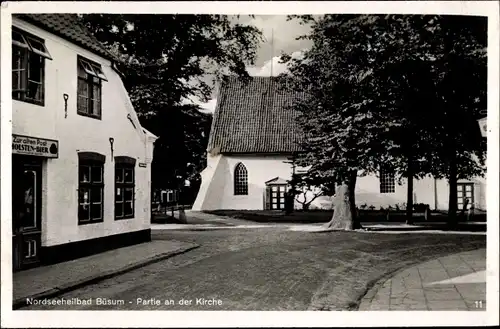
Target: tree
pixel 335 112
pixel 171 55
pixel 307 188
pixel 460 80
pixel 181 147
pixel 167 59
pixel 441 88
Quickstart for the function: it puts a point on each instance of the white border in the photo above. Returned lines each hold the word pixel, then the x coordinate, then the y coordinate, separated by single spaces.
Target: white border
pixel 11 318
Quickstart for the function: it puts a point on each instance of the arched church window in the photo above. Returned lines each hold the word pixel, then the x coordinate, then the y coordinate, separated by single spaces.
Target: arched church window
pixel 240 180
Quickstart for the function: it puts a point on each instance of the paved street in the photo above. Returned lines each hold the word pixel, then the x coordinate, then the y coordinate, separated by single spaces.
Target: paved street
pixel 267 269
pixel 53 279
pixel 455 282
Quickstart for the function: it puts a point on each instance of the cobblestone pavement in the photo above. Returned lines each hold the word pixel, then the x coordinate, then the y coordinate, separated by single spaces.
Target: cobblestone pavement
pixel 49 279
pixel 265 269
pixel 453 283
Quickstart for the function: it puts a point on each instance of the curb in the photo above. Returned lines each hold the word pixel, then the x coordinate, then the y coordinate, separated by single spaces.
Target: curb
pixel 53 292
pixel 201 228
pixel 373 286
pixel 219 223
pixel 213 228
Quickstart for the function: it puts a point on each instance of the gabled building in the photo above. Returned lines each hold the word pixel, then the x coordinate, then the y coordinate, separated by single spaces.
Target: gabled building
pixel 81 162
pixel 252 140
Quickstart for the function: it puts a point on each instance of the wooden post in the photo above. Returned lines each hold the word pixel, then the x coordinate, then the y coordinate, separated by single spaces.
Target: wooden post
pixel 464 209
pixel 470 213
pixel 427 213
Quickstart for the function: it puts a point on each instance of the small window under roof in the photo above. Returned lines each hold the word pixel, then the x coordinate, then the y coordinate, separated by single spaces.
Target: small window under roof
pixel 19 40
pixel 32 43
pixel 92 69
pixel 38 47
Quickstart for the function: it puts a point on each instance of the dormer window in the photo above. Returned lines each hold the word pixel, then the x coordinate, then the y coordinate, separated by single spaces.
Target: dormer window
pixel 90 77
pixel 28 67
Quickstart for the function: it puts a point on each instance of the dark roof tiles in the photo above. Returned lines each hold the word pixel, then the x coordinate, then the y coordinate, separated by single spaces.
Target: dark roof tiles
pixel 254 118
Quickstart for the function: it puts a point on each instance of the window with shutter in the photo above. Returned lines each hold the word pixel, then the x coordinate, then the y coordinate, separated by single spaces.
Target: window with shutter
pixel 28 67
pixel 89 88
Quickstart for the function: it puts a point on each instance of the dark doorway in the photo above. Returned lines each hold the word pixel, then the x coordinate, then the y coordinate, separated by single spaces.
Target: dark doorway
pixel 465 191
pixel 26 210
pixel 277 196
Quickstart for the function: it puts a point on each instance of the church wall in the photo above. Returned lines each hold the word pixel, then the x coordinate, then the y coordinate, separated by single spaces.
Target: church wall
pixel 260 168
pixel 217 190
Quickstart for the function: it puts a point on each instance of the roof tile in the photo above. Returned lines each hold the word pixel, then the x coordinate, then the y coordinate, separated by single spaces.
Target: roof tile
pixel 254 117
pixel 67 26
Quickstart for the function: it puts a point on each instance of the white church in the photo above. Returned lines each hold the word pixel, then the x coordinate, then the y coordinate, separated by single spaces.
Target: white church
pixel 252 139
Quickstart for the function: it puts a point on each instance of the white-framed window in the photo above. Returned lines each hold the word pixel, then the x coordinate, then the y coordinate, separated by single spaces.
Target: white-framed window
pixel 124 187
pixel 89 90
pixel 90 187
pixel 387 181
pixel 28 67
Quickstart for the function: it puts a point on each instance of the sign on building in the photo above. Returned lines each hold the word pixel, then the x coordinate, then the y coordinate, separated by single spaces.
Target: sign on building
pixel 35 146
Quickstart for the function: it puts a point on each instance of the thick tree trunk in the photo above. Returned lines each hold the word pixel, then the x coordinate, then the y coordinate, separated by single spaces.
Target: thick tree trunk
pixel 344 206
pixel 452 201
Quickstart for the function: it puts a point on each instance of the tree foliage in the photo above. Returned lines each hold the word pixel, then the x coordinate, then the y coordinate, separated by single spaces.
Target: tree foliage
pixel 391 91
pixel 180 152
pixel 307 187
pixel 166 59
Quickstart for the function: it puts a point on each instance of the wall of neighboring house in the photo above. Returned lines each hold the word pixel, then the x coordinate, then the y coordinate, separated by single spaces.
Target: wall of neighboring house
pixel 77 133
pixel 427 190
pixel 479 192
pixel 368 192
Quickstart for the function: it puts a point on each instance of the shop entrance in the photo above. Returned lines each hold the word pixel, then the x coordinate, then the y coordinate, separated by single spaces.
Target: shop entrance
pixel 26 210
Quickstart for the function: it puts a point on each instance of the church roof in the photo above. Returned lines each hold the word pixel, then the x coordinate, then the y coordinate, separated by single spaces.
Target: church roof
pixel 252 117
pixel 69 27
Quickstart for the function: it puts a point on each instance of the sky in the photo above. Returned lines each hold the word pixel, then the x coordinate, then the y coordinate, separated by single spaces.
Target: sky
pixel 283 33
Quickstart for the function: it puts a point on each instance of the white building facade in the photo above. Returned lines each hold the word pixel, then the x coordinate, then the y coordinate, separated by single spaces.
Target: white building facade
pixel 249 160
pixel 81 162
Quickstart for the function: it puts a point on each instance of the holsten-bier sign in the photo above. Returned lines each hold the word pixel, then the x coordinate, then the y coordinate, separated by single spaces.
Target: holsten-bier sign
pixel 35 146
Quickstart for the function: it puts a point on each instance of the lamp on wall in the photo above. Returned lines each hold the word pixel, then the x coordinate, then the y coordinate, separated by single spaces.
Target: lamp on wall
pixel 482 126
pixel 111 141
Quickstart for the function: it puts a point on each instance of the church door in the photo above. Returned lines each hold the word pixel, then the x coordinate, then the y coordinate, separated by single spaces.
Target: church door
pixel 465 191
pixel 277 197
